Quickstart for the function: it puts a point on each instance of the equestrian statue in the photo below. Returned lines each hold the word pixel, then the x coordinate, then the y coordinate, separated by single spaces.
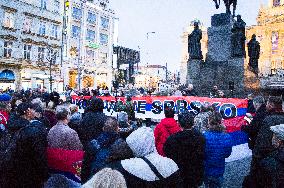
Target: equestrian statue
pixel 228 4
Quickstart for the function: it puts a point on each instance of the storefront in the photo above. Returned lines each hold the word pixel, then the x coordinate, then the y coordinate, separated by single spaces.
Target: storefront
pixel 7 79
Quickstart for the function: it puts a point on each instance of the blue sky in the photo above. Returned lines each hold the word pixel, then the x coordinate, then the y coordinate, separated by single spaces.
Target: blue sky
pixel 168 18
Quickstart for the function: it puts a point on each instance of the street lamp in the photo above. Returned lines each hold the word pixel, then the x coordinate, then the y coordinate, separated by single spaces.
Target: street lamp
pixel 51 57
pixel 153 32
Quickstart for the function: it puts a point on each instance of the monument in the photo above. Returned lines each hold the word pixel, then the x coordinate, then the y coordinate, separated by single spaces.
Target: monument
pixel 195 55
pixel 224 63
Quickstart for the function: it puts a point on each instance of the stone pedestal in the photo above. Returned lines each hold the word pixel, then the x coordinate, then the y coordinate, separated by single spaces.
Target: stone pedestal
pixel 219 37
pixel 219 68
pixel 193 71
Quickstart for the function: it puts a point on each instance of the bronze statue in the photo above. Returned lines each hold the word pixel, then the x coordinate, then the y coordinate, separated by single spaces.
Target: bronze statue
pixel 238 38
pixel 228 4
pixel 194 45
pixel 253 53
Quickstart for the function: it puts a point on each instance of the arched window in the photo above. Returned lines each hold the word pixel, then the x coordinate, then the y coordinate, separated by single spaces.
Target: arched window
pixel 276 3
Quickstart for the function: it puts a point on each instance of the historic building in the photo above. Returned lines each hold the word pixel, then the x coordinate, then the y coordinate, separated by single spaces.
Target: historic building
pixel 30 42
pixel 187 31
pixel 89 43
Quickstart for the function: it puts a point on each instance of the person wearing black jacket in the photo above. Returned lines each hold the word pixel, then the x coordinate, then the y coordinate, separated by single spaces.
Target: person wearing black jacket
pixel 255 125
pixel 25 156
pixel 93 121
pixel 187 149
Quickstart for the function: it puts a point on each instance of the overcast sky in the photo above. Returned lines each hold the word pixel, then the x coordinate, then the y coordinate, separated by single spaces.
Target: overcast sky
pixel 168 18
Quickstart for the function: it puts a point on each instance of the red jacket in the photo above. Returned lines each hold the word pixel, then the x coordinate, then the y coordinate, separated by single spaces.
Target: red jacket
pixel 163 130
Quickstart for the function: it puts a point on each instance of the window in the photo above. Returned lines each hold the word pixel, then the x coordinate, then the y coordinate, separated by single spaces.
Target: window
pixel 103 57
pixel 76 31
pixel 27 24
pixel 42 28
pixel 40 54
pixel 91 18
pixel 8 49
pixel 43 4
pixel 283 65
pixel 104 22
pixel 54 31
pixel 77 13
pixel 90 55
pixel 27 51
pixel 91 35
pixel 273 67
pixel 9 20
pixel 103 39
pixel 56 6
pixel 276 3
pixel 52 55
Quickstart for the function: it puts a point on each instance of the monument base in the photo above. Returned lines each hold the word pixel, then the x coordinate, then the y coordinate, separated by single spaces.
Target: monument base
pixel 193 71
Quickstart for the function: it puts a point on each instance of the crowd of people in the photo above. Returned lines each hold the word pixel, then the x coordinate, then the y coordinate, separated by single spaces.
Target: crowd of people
pixel 46 143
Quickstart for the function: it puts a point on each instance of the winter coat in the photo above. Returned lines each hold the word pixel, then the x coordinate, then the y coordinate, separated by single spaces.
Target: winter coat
pixel 75 120
pixel 50 115
pixel 91 126
pixel 263 146
pixel 15 123
pixel 4 116
pixel 26 163
pixel 218 147
pixel 137 172
pixel 60 181
pixel 97 154
pixel 163 130
pixel 271 171
pixel 62 136
pixel 187 149
pixel 255 125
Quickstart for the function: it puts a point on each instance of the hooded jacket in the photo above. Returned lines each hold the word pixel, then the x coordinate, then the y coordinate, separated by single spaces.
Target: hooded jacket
pixel 163 130
pixel 137 172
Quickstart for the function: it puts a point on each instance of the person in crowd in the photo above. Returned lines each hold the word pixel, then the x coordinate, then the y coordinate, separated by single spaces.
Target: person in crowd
pixel 61 181
pixel 221 94
pixel 271 168
pixel 214 92
pixel 93 121
pixel 189 91
pixel 98 151
pixel 129 108
pixel 106 178
pixel 61 135
pixel 24 163
pixel 255 125
pixel 45 96
pixel 201 119
pixel 251 108
pixel 5 108
pixel 218 147
pixel 148 168
pixel 75 118
pixel 49 113
pixel 125 128
pixel 263 143
pixel 187 149
pixel 54 97
pixel 38 107
pixel 164 129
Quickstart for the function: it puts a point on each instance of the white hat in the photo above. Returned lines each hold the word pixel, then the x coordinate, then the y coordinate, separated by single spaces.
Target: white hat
pixel 278 130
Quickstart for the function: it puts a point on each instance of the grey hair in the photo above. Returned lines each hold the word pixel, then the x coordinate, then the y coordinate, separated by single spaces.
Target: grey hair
pixel 258 100
pixel 62 112
pixel 38 102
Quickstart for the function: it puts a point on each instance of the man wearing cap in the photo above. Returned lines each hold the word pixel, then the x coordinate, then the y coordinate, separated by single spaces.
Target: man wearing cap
pixel 271 171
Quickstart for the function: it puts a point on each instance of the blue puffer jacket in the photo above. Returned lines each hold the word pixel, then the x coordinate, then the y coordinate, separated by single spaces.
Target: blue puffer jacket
pixel 218 147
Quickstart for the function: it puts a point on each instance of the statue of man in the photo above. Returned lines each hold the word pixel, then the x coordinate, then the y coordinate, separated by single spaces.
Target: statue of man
pixel 194 45
pixel 253 53
pixel 238 38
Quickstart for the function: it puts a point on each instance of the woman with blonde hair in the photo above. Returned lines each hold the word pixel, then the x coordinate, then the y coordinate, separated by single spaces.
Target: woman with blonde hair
pixel 106 178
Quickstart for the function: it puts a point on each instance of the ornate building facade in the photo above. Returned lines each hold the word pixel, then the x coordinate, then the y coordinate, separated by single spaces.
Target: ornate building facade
pixel 89 30
pixel 30 34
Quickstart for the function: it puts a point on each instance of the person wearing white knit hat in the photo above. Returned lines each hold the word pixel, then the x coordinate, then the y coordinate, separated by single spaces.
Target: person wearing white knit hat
pixel 278 135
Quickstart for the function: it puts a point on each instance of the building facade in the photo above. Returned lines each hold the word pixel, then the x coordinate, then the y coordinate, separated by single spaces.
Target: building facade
pixel 89 30
pixel 30 41
pixel 185 56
